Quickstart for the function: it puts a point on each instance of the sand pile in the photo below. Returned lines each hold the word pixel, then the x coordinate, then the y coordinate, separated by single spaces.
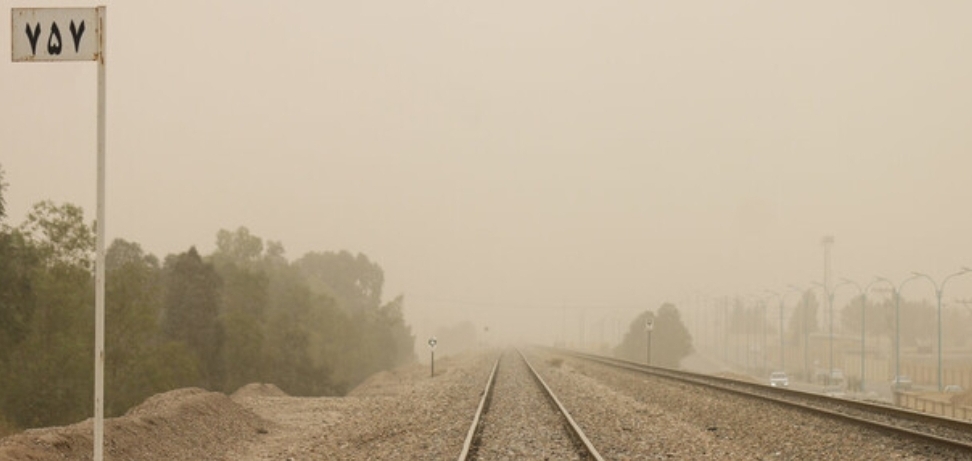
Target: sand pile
pixel 393 382
pixel 185 424
pixel 259 390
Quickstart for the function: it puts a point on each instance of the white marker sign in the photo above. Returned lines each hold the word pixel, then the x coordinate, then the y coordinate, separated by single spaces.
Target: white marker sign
pixel 55 34
pixel 75 34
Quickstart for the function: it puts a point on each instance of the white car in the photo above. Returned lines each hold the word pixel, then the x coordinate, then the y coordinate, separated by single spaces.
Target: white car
pixel 902 383
pixel 779 379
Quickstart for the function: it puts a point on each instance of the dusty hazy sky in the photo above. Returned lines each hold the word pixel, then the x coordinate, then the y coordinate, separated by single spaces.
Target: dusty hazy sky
pixel 500 158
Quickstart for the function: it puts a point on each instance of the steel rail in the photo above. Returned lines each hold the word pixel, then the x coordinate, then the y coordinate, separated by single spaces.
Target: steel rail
pixel 785 396
pixel 477 419
pixel 890 411
pixel 472 436
pixel 574 428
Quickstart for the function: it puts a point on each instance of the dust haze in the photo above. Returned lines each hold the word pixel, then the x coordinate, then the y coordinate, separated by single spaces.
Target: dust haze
pixel 539 171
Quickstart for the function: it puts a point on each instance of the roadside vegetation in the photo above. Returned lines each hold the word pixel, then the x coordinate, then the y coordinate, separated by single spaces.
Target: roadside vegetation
pixel 245 313
pixel 670 339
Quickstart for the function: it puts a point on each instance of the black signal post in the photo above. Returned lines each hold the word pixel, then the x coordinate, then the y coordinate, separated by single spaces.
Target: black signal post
pixel 432 343
pixel 649 325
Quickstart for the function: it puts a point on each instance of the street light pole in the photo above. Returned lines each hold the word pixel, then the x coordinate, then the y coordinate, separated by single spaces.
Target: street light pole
pixel 762 323
pixel 830 309
pixel 725 329
pixel 750 316
pixel 863 292
pixel 806 337
pixel 897 323
pixel 782 298
pixel 938 293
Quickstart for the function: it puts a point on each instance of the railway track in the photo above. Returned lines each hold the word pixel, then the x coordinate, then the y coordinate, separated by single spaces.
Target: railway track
pixel 516 419
pixel 928 429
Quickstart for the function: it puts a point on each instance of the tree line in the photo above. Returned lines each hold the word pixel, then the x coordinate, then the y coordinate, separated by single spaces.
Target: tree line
pixel 810 317
pixel 670 339
pixel 245 313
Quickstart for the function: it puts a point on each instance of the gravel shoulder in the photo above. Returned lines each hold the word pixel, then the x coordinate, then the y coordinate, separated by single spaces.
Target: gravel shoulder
pixel 399 414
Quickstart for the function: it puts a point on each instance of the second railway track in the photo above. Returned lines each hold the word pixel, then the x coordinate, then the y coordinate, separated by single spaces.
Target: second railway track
pixel 927 429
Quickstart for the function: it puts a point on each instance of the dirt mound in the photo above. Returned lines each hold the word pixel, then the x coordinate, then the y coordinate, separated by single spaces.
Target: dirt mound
pixel 259 390
pixel 179 425
pixel 398 380
pixel 166 402
pixel 384 383
pixel 377 380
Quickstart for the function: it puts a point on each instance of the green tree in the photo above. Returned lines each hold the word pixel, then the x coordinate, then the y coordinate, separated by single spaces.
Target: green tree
pixel 354 281
pixel 670 339
pixel 303 328
pixel 275 255
pixel 191 308
pixel 804 318
pixel 396 335
pixel 359 335
pixel 18 300
pixel 243 317
pixel 48 373
pixel 238 260
pixel 956 326
pixel 341 342
pixel 137 362
pixel 917 319
pixel 743 318
pixel 59 234
pixel 239 247
pixel 381 341
pixel 880 316
pixel 17 305
pixel 3 202
pixel 918 322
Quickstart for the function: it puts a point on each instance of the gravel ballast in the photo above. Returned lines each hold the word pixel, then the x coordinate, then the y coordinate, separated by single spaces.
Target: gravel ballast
pixel 633 416
pixel 406 414
pixel 521 423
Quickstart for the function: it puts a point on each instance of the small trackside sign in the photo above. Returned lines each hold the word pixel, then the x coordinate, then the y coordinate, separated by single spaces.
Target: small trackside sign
pixel 55 34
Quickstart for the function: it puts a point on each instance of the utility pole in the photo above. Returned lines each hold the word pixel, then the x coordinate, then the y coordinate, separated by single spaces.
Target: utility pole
pixel 725 329
pixel 828 242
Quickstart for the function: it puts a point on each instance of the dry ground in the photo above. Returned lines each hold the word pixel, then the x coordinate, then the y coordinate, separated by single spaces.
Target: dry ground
pixel 388 411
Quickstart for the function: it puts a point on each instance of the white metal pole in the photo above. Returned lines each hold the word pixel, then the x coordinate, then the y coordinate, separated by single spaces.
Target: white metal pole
pixel 99 401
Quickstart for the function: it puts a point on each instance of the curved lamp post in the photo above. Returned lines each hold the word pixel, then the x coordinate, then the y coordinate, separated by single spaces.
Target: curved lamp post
pixel 806 334
pixel 896 289
pixel 938 293
pixel 830 309
pixel 863 291
pixel 782 299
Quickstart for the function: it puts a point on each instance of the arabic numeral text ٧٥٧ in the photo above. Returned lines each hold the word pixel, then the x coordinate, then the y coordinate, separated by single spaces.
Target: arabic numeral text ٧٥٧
pixel 54 43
